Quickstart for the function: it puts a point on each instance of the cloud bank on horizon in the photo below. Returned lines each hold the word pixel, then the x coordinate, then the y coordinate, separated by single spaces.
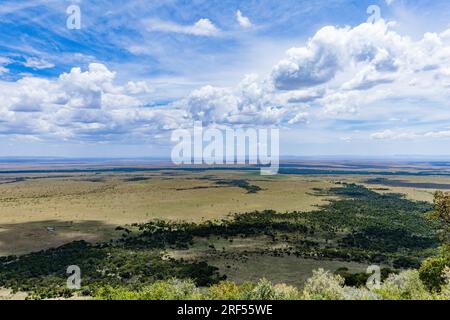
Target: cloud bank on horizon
pixel 131 76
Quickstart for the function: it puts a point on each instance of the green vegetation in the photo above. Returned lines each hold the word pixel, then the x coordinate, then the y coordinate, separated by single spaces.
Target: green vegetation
pixel 43 274
pixel 321 286
pixel 432 271
pixel 241 184
pixel 441 214
pixel 361 225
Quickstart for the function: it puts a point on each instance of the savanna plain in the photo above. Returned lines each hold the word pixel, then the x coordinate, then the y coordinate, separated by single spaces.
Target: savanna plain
pixel 154 231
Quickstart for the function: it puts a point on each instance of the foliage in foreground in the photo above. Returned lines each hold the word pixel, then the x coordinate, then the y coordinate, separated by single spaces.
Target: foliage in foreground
pixel 323 285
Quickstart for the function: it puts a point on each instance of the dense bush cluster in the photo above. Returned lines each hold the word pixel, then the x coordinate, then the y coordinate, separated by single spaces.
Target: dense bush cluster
pixel 244 184
pixel 43 274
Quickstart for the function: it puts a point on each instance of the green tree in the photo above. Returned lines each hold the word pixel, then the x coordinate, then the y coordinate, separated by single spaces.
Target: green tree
pixel 432 269
pixel 441 214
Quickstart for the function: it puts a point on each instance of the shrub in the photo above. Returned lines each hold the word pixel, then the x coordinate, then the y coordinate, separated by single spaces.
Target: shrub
pixel 224 290
pixel 285 292
pixel 160 290
pixel 351 293
pixel 110 293
pixel 265 290
pixel 446 288
pixel 404 286
pixel 170 290
pixel 432 272
pixel 323 285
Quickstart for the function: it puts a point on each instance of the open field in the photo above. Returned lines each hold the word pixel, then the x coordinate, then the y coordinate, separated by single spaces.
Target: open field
pixel 124 199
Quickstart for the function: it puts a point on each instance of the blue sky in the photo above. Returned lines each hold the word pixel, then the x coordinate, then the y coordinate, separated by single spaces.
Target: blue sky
pixel 136 70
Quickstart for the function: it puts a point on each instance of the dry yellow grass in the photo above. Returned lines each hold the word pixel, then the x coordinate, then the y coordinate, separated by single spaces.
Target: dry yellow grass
pixel 115 201
pixel 90 206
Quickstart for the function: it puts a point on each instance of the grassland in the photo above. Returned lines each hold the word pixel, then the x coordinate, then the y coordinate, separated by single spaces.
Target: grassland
pixel 91 206
pixel 360 227
pixel 42 209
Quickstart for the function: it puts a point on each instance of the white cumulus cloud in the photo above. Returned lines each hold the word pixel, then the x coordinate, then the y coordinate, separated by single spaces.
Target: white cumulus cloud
pixel 243 21
pixel 203 27
pixel 366 63
pixel 82 106
pixel 36 63
pixel 339 71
